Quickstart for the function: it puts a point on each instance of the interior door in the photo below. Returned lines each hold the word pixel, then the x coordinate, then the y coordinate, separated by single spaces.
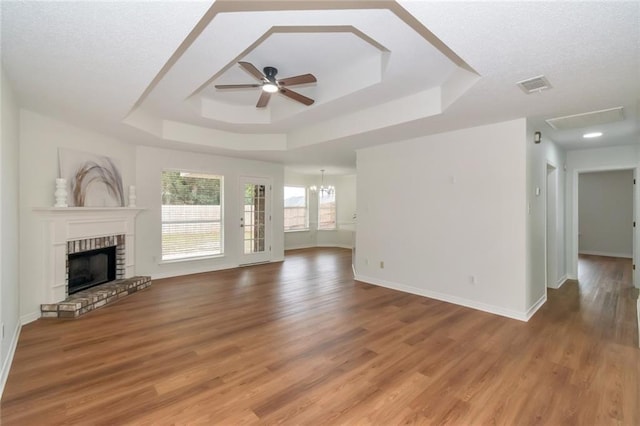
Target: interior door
pixel 255 220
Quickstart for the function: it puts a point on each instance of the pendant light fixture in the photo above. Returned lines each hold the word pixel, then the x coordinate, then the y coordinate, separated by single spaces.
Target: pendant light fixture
pixel 324 191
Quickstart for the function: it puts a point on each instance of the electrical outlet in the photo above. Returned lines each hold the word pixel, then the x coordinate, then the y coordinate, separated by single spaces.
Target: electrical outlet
pixel 472 280
pixel 366 261
pixel 382 264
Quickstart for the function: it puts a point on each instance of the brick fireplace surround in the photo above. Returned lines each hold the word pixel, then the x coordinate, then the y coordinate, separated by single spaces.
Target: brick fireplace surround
pixel 76 229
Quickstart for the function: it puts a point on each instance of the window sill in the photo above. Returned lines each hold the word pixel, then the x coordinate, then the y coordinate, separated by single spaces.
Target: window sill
pixel 296 230
pixel 190 259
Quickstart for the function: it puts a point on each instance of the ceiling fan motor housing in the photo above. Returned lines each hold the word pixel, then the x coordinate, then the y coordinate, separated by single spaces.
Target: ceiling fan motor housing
pixel 271 72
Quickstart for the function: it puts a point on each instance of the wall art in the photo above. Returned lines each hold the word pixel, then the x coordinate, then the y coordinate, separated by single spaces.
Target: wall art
pixel 93 180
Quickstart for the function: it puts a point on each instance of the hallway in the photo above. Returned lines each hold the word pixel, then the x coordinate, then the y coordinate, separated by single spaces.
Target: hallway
pixel 603 301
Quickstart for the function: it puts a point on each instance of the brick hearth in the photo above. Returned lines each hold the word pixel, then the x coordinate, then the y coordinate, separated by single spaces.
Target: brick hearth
pixel 93 298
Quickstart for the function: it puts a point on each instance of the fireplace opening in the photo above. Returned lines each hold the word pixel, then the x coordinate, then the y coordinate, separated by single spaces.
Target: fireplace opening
pixel 90 268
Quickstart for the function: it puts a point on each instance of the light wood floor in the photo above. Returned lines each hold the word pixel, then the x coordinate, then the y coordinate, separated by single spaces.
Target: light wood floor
pixel 302 343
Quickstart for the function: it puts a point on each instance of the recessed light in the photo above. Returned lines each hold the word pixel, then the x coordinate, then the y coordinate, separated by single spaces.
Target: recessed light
pixel 592 135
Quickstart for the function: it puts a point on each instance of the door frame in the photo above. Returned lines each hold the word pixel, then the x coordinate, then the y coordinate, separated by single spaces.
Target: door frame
pixel 266 256
pixel 551 229
pixel 575 217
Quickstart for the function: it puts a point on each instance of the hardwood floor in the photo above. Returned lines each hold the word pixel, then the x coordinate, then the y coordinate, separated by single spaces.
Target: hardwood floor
pixel 301 342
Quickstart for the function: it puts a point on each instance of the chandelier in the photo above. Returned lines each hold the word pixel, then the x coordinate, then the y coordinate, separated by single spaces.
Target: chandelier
pixel 324 191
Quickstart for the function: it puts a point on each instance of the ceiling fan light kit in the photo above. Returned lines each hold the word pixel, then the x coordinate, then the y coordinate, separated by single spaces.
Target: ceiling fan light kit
pixel 270 88
pixel 270 84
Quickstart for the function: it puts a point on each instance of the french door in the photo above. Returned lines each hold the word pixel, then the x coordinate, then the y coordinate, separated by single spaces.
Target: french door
pixel 255 220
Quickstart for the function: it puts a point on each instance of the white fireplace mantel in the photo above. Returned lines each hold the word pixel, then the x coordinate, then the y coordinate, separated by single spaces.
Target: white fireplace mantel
pixel 82 210
pixel 63 224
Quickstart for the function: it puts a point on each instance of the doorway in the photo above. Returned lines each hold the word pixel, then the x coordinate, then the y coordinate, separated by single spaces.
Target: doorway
pixel 605 214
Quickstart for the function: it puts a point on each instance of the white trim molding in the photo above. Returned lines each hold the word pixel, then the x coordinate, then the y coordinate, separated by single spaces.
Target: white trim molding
pixel 562 280
pixel 532 310
pixel 6 366
pixel 344 246
pixel 492 309
pixel 31 317
pixel 606 254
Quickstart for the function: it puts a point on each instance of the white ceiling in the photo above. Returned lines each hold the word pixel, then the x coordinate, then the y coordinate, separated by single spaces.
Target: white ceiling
pixel 143 71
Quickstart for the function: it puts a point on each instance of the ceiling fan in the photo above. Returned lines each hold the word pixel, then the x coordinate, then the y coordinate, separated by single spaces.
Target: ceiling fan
pixel 270 84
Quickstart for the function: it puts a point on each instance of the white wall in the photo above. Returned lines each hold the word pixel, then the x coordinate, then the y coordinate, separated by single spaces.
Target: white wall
pixel 345 209
pixel 605 213
pixel 590 160
pixel 40 138
pixel 540 157
pixel 151 163
pixel 447 215
pixel 9 220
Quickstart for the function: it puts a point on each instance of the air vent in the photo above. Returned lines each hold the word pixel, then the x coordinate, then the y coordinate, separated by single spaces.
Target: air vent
pixel 587 119
pixel 534 85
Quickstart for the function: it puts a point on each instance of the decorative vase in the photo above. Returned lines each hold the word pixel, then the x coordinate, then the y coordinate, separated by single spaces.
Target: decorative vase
pixel 132 196
pixel 61 193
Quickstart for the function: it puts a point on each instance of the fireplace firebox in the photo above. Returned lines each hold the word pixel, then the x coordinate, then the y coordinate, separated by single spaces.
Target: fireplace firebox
pixel 92 267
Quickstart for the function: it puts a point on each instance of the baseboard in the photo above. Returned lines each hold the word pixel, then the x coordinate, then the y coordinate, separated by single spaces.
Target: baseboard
pixel 497 310
pixel 344 246
pixel 606 254
pixel 299 247
pixel 202 270
pixel 306 246
pixel 562 280
pixel 572 277
pixel 26 319
pixel 6 365
pixel 532 310
pixel 558 283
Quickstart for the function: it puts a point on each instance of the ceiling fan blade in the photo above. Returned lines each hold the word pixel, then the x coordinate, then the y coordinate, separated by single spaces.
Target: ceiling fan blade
pixel 236 86
pixel 252 70
pixel 263 100
pixel 298 79
pixel 296 96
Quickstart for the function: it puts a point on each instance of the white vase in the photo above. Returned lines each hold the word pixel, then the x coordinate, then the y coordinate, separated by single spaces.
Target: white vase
pixel 132 196
pixel 61 193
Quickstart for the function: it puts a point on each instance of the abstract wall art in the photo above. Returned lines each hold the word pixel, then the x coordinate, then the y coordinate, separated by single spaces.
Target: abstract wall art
pixel 93 180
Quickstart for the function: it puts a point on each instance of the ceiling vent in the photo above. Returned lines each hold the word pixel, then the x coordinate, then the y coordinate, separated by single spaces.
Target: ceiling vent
pixel 534 85
pixel 587 119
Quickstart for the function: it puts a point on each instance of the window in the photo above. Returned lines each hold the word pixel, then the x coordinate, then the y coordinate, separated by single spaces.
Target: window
pixel 191 215
pixel 326 210
pixel 296 213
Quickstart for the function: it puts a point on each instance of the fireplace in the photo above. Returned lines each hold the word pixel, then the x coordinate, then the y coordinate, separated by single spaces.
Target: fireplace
pixel 71 230
pixel 93 261
pixel 90 268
